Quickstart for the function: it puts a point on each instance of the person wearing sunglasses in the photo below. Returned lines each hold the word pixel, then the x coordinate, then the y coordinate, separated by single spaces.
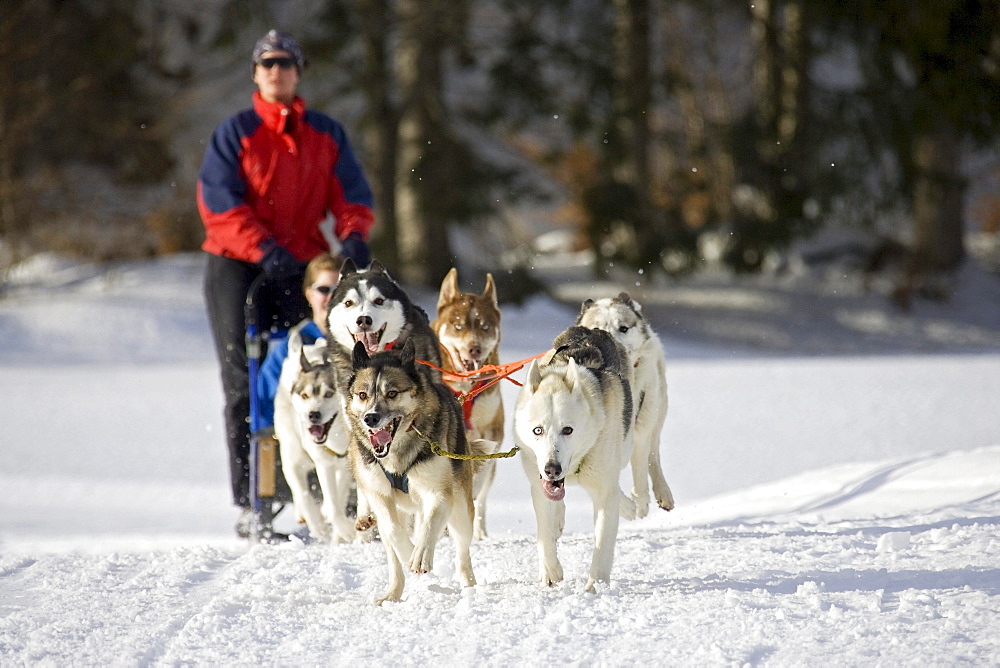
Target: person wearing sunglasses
pixel 271 175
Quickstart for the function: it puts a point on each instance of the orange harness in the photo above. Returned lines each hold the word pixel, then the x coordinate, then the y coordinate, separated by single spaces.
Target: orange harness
pixel 485 377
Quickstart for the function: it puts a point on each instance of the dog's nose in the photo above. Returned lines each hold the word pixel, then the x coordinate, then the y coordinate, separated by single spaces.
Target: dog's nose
pixel 475 352
pixel 364 322
pixel 553 470
pixel 372 419
pixel 315 417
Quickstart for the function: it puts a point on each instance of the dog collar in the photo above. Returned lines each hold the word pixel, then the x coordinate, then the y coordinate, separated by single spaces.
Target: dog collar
pixel 334 452
pixel 396 480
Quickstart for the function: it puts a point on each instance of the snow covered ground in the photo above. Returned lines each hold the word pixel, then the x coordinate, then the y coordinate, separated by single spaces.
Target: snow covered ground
pixel 831 510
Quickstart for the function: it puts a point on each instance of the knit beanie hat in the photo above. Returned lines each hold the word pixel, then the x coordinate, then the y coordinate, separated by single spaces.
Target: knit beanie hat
pixel 275 40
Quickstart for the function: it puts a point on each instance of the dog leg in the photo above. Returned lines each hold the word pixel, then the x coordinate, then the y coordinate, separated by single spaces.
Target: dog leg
pixel 365 519
pixel 397 545
pixel 551 518
pixel 343 528
pixel 296 473
pixel 461 530
pixel 430 526
pixel 605 533
pixel 640 475
pixel 661 490
pixel 483 481
pixel 396 577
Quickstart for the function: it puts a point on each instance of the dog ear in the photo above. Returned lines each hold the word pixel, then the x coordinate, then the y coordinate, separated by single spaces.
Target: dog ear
pixel 534 375
pixel 407 354
pixel 377 267
pixel 360 359
pixel 347 268
pixel 490 292
pixel 572 376
pixel 449 289
pixel 626 299
pixel 304 360
pixel 586 305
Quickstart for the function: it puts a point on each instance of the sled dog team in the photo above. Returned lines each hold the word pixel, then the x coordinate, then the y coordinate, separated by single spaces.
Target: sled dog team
pixel 368 405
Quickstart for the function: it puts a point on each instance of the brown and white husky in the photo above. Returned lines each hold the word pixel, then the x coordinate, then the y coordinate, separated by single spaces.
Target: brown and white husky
pixel 468 328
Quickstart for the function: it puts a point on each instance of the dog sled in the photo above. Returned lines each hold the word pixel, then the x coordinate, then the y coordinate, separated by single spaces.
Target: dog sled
pixel 269 493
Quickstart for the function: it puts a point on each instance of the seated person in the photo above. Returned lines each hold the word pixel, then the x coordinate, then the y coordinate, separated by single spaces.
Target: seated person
pixel 321 277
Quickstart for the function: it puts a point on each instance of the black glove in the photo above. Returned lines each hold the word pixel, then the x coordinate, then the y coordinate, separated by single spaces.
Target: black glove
pixel 355 248
pixel 279 263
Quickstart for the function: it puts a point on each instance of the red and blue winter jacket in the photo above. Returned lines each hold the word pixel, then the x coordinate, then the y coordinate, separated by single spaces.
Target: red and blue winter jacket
pixel 271 173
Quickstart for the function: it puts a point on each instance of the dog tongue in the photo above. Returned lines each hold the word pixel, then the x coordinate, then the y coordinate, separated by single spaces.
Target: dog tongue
pixel 380 438
pixel 553 491
pixel 371 342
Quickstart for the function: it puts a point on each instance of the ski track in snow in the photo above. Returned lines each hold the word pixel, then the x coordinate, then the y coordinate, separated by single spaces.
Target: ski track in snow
pixel 768 592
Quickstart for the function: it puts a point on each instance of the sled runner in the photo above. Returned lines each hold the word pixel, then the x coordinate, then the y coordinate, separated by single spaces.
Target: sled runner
pixel 269 493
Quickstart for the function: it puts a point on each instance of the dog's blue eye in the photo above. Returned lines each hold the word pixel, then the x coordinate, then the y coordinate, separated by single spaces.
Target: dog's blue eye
pixel 328 394
pixel 537 431
pixel 458 328
pixel 566 431
pixel 486 328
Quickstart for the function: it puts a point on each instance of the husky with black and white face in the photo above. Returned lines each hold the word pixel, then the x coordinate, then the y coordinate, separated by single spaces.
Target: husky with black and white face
pixel 573 424
pixel 370 308
pixel 312 435
pixel 395 412
pixel 622 317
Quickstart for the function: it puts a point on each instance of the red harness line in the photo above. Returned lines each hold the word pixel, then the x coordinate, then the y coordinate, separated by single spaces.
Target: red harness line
pixel 487 376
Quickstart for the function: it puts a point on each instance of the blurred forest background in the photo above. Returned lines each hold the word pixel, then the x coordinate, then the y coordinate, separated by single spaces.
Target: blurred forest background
pixel 664 136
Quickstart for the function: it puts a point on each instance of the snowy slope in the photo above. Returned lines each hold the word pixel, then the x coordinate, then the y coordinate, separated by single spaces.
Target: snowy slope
pixel 830 511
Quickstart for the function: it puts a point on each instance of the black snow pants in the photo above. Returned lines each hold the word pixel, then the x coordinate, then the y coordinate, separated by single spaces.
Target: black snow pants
pixel 282 304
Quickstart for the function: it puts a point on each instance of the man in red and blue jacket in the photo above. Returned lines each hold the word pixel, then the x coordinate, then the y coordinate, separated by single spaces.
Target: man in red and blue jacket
pixel 270 177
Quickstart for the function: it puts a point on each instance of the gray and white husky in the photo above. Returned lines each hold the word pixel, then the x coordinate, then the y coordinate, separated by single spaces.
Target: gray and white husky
pixel 396 411
pixel 312 435
pixel 573 423
pixel 622 317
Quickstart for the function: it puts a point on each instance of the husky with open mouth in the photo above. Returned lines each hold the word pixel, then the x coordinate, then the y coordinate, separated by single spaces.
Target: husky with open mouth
pixel 370 308
pixel 468 327
pixel 573 423
pixel 397 413
pixel 312 435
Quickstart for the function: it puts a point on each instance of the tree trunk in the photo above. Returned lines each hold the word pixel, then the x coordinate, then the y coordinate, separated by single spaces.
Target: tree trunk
pixel 633 95
pixel 424 251
pixel 381 127
pixel 937 202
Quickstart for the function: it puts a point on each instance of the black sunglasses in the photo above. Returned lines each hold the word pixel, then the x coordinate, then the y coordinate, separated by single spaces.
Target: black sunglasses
pixel 323 289
pixel 282 62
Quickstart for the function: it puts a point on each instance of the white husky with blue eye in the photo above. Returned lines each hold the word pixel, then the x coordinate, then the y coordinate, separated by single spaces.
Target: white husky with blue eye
pixel 573 423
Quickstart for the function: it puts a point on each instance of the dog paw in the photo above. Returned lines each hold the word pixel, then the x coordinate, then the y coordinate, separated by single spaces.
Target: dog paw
pixel 365 523
pixel 550 576
pixel 626 507
pixel 389 596
pixel 666 504
pixel 421 561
